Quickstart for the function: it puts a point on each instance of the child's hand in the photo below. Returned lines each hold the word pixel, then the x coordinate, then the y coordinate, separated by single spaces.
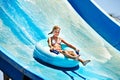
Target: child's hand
pixel 77 50
pixel 51 48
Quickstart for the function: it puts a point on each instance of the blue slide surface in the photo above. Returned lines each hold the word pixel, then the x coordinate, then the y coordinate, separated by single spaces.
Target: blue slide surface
pixel 97 19
pixel 23 23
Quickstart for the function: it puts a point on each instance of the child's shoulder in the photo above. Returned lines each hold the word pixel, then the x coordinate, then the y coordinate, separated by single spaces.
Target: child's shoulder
pixel 60 38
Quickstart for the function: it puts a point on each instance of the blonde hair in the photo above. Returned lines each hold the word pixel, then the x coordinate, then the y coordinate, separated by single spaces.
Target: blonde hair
pixel 54 28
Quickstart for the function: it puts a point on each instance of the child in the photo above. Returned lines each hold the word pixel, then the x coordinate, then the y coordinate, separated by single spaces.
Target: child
pixel 54 43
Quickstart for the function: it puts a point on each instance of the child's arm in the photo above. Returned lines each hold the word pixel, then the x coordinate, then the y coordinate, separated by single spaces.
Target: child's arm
pixel 49 43
pixel 69 45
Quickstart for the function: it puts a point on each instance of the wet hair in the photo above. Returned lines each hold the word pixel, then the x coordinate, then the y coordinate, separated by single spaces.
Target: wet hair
pixel 54 28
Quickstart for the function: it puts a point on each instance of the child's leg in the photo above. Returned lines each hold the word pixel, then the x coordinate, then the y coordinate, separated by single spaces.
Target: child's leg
pixel 72 55
pixel 84 62
pixel 69 54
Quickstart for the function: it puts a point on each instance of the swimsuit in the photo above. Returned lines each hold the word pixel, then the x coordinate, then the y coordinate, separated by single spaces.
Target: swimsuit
pixel 54 42
pixel 55 51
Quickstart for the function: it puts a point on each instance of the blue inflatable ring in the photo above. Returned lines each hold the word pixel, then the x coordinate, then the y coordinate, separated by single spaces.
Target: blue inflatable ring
pixel 43 53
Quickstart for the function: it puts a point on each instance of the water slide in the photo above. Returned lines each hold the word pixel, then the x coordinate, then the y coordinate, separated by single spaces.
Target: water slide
pixel 24 22
pixel 99 21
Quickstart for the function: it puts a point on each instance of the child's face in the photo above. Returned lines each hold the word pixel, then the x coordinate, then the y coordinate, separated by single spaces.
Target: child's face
pixel 56 32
